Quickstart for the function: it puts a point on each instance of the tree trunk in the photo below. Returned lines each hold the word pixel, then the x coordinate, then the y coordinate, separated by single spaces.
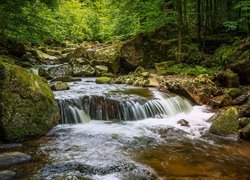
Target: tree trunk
pixel 199 20
pixel 179 21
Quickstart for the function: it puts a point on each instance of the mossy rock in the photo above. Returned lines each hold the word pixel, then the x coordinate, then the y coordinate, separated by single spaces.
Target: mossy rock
pixel 103 80
pixel 244 121
pixel 28 107
pixel 234 92
pixel 226 123
pixel 60 86
pixel 66 79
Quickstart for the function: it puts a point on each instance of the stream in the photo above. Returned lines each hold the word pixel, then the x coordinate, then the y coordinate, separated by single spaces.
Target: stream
pixel 125 132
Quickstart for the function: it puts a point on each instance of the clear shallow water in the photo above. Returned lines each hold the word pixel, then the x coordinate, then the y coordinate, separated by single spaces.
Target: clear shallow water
pixel 149 148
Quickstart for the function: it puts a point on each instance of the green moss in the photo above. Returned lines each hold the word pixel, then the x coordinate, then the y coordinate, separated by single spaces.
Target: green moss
pixel 226 123
pixel 103 80
pixel 28 105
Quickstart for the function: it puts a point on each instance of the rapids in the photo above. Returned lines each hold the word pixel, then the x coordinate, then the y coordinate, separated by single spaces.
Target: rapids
pixel 124 132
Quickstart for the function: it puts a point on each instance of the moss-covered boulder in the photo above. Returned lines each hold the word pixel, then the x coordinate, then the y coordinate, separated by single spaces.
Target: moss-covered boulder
pixel 60 86
pixel 27 105
pixel 83 71
pixel 228 79
pixel 103 80
pixel 226 123
pixel 234 92
pixel 101 70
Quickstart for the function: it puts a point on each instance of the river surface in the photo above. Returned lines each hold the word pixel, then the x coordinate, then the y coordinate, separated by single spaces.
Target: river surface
pixel 123 132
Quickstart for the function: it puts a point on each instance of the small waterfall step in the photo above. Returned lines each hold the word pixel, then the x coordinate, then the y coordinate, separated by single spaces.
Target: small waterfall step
pixel 86 108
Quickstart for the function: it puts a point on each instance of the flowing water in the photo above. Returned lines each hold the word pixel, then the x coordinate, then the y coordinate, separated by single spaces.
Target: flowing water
pixel 123 132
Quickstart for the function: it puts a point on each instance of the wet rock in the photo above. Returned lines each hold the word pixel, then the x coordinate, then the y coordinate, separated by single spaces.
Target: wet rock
pixel 221 101
pixel 28 107
pixel 10 146
pixel 183 122
pixel 103 80
pixel 240 100
pixel 226 123
pixel 10 158
pixel 81 170
pixel 60 71
pixel 199 89
pixel 60 86
pixel 66 79
pixel 84 70
pixel 45 74
pixel 7 175
pixel 101 70
pixel 228 78
pixel 245 133
pixel 244 121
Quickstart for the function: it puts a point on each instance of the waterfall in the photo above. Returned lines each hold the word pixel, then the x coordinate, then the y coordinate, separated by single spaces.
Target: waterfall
pixel 101 107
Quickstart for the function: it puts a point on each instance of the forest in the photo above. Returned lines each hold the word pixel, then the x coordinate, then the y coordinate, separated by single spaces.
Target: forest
pixel 124 89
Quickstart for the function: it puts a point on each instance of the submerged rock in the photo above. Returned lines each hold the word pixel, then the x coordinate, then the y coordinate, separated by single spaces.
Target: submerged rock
pixel 60 86
pixel 7 175
pixel 66 79
pixel 226 123
pixel 10 158
pixel 28 107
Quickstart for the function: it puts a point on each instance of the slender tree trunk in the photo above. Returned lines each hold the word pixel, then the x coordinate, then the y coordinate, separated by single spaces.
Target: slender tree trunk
pixel 199 20
pixel 185 16
pixel 179 21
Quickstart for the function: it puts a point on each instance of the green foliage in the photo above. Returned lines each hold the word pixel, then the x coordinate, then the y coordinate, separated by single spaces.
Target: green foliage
pixel 170 68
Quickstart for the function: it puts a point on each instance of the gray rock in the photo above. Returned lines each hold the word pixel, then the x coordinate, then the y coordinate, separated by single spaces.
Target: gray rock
pixel 101 70
pixel 10 158
pixel 7 175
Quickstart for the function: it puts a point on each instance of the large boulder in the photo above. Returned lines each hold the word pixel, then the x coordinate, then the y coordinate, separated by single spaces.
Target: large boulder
pixel 93 53
pixel 84 70
pixel 27 105
pixel 228 79
pixel 199 89
pixel 242 68
pixel 226 123
pixel 60 70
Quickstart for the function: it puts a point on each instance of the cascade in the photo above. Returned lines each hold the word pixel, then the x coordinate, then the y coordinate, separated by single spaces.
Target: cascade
pixel 84 108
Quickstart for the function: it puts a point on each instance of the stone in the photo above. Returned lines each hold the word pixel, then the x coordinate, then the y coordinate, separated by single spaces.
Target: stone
pixel 103 80
pixel 60 70
pixel 242 68
pixel 244 110
pixel 145 74
pixel 234 92
pixel 43 57
pixel 28 107
pixel 84 70
pixel 244 121
pixel 11 158
pixel 245 133
pixel 226 123
pixel 228 79
pixel 7 174
pixel 60 86
pixel 101 70
pixel 44 73
pixel 183 122
pixel 220 101
pixel 239 100
pixel 66 79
